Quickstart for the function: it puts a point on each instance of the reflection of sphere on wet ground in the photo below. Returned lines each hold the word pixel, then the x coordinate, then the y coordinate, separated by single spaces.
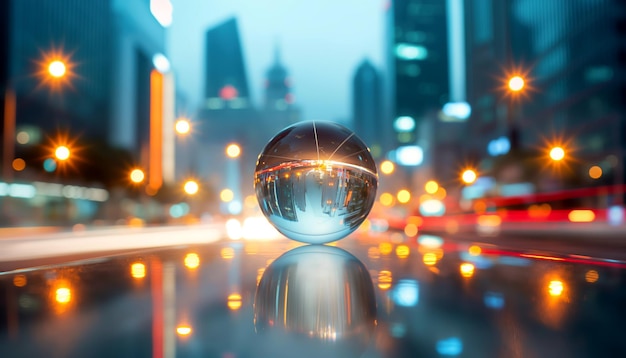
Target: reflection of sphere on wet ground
pixel 316 181
pixel 315 301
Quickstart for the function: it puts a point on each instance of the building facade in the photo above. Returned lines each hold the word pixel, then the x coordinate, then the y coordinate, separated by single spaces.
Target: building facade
pixel 572 56
pixel 367 101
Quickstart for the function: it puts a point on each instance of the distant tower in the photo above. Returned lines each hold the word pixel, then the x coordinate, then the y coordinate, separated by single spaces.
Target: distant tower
pixel 277 86
pixel 366 107
pixel 279 110
pixel 225 84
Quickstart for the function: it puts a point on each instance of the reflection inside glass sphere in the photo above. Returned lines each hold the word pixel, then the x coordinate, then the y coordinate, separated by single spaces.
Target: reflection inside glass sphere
pixel 315 301
pixel 316 181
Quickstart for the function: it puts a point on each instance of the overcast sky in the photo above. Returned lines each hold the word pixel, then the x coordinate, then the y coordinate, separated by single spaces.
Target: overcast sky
pixel 322 42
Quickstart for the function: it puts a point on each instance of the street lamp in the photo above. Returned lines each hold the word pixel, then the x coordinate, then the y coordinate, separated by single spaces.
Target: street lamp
pixel 191 187
pixel 183 126
pixel 516 83
pixel 469 176
pixel 557 154
pixel 62 153
pixel 137 176
pixel 57 68
pixel 233 151
pixel 387 167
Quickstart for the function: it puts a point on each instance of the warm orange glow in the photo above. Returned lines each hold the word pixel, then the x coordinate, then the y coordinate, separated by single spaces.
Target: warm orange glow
pixel 480 206
pixel 516 83
pixel 592 276
pixel 556 288
pixel 191 187
pixel 183 330
pixel 182 126
pixel 227 195
pixel 62 152
pixel 387 167
pixel 430 258
pixel 537 211
pixel 373 252
pixel 403 251
pixel 595 172
pixel 468 176
pixel 138 270
pixel 581 216
pixel 431 187
pixel 385 248
pixel 386 199
pixel 384 279
pixel 440 194
pixel 467 269
pixel 155 170
pixel 192 261
pixel 403 196
pixel 19 281
pixel 8 147
pixel 415 220
pixel 137 176
pixel 250 202
pixel 475 250
pixel 557 154
pixel 57 69
pixel 227 253
pixel 452 226
pixel 18 164
pixel 234 301
pixel 63 295
pixel 410 230
pixel 233 151
pixel 489 220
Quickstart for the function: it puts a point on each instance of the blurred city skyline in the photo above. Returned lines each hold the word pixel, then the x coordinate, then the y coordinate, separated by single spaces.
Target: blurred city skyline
pixel 318 46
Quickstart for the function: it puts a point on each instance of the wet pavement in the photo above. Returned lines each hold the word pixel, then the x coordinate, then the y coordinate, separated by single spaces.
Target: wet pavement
pixel 381 296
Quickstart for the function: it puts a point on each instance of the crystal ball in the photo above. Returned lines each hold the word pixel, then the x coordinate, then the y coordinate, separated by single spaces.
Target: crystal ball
pixel 316 181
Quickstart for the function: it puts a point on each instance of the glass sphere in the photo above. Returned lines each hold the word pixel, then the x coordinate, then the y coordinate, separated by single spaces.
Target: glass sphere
pixel 316 181
pixel 315 300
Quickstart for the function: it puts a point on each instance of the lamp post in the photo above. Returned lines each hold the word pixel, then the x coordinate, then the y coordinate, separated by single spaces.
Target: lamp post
pixel 515 87
pixel 55 69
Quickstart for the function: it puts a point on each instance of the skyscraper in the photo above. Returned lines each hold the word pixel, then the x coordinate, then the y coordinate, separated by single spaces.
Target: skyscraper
pixel 366 107
pixel 418 62
pixel 226 83
pixel 227 114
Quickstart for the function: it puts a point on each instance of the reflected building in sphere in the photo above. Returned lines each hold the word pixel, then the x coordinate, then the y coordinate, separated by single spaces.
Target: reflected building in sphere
pixel 316 300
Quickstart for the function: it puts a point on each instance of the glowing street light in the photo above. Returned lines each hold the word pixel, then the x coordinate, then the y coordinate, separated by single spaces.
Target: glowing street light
pixel 557 154
pixel 387 167
pixel 431 187
pixel 57 69
pixel 469 176
pixel 182 126
pixel 516 83
pixel 233 151
pixel 137 176
pixel 191 187
pixel 62 153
